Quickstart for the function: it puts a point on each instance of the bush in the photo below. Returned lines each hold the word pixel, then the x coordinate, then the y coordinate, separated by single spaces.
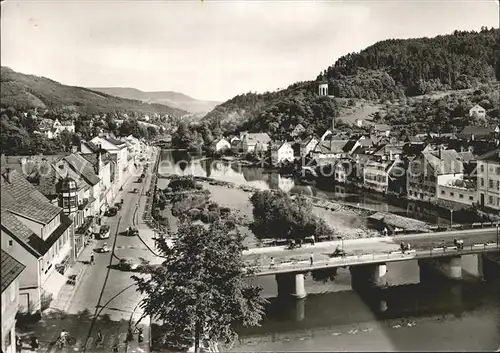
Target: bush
pixel 182 184
pixel 198 186
pixel 194 214
pixel 189 202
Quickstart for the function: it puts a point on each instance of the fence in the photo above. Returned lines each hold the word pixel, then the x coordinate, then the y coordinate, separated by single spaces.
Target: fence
pixel 304 265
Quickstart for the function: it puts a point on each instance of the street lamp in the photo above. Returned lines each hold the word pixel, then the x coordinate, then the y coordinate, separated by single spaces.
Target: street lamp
pixel 451 218
pixel 342 239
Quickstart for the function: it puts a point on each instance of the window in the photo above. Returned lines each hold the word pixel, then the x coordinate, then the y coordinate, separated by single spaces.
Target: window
pixel 442 192
pixel 452 194
pixel 461 196
pixel 471 198
pixel 11 242
pixel 482 168
pixel 490 184
pixel 490 200
pixel 482 182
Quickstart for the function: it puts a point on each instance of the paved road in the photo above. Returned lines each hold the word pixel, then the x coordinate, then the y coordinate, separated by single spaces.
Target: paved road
pixel 106 299
pixel 322 251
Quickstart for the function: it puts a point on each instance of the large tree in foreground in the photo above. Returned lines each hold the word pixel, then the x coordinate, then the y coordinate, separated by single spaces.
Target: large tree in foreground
pixel 200 292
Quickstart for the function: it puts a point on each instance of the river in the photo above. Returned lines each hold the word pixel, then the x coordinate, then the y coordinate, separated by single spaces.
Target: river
pixel 444 316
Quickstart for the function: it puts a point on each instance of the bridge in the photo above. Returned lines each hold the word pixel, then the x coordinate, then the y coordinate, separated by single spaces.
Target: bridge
pixel 367 258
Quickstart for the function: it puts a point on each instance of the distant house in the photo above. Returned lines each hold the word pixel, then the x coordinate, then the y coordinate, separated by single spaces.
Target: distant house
pixel 222 144
pixel 258 142
pixel 382 129
pixel 67 125
pixel 235 145
pixel 280 152
pixel 308 145
pixel 298 130
pixel 329 149
pixel 477 111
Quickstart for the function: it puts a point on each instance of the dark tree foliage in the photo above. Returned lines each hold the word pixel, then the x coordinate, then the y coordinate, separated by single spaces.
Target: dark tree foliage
pixel 392 67
pixel 277 216
pixel 199 293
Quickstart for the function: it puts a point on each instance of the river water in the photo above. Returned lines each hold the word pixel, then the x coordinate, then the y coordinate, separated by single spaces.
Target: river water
pixel 407 316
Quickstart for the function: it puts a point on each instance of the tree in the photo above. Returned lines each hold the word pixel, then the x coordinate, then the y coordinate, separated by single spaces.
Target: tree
pixel 199 292
pixel 183 138
pixel 277 216
pixel 152 132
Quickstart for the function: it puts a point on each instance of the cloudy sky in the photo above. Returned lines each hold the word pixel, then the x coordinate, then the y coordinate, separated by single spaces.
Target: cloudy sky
pixel 212 50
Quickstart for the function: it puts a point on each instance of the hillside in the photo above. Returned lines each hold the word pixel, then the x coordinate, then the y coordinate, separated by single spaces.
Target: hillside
pixel 170 98
pixel 390 70
pixel 23 91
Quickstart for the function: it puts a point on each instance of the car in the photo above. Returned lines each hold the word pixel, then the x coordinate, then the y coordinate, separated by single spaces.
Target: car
pixel 143 175
pixel 132 231
pixel 111 212
pixel 136 190
pixel 129 264
pixel 104 232
pixel 139 180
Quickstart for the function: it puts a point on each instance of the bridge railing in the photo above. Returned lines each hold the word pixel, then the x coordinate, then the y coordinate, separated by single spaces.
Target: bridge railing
pixel 372 258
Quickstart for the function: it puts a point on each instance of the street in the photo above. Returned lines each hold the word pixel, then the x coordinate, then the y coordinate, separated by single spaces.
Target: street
pixel 106 298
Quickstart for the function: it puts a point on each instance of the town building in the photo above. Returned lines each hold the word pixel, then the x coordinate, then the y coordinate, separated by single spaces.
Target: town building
pixel 329 149
pixel 383 174
pixel 488 179
pixel 308 145
pixel 431 169
pixel 381 129
pixel 281 151
pixel 298 130
pixel 10 271
pixel 222 144
pixel 39 235
pixel 477 111
pixel 255 142
pixel 65 125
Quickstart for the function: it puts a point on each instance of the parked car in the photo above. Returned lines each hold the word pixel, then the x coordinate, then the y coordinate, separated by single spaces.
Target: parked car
pixel 136 190
pixel 132 231
pixel 139 180
pixel 104 232
pixel 112 211
pixel 128 264
pixel 143 175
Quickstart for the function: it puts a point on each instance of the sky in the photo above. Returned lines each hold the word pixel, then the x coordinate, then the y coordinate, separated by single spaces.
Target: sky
pixel 212 50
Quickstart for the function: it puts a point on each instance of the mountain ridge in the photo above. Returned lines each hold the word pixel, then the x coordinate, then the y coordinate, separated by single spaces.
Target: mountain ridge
pixel 25 91
pixel 171 98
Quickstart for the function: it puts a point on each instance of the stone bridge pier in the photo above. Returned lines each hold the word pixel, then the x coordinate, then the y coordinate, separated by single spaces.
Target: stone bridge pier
pixel 448 267
pixel 368 276
pixel 291 285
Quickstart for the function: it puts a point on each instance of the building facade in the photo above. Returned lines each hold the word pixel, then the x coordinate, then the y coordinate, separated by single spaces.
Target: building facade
pixel 488 180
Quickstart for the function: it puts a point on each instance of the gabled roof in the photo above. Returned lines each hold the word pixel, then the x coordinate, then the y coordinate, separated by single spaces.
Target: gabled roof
pixel 349 145
pixel 366 142
pixel 22 198
pixel 276 145
pixel 477 106
pixel 83 167
pixel 444 162
pixel 11 269
pixel 116 142
pixel 332 146
pixel 466 156
pixel 477 130
pixel 262 137
pixel 492 156
pixel 388 149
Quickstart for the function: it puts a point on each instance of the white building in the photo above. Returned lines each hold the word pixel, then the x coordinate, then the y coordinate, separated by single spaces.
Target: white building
pixel 477 111
pixel 222 144
pixel 488 179
pixel 11 269
pixel 308 145
pixel 39 235
pixel 281 152
pixel 258 142
pixel 67 125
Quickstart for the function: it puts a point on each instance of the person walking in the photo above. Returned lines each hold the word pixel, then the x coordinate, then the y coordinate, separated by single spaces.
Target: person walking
pixel 272 262
pixel 91 257
pixel 311 259
pixel 313 240
pixel 99 336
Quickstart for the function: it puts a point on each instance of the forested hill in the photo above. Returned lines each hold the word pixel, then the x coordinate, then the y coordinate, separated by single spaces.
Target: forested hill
pixel 396 67
pixel 388 70
pixel 22 91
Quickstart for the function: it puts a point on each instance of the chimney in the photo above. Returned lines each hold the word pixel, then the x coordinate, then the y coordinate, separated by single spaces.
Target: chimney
pixel 8 175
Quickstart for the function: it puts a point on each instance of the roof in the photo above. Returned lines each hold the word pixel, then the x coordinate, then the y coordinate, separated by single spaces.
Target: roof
pixel 388 149
pixel 114 141
pixel 332 146
pixel 349 145
pixel 477 130
pixel 11 269
pixel 366 142
pixel 477 106
pixel 308 140
pixel 262 137
pixel 324 161
pixel 381 127
pixel 466 156
pixel 492 156
pixel 276 145
pixel 449 163
pixel 83 167
pixel 20 197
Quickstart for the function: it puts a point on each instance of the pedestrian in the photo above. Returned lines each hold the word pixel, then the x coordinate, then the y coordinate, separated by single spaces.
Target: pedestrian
pixel 19 344
pixel 385 231
pixel 115 348
pixel 272 262
pixel 99 335
pixel 311 258
pixel 92 258
pixel 313 240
